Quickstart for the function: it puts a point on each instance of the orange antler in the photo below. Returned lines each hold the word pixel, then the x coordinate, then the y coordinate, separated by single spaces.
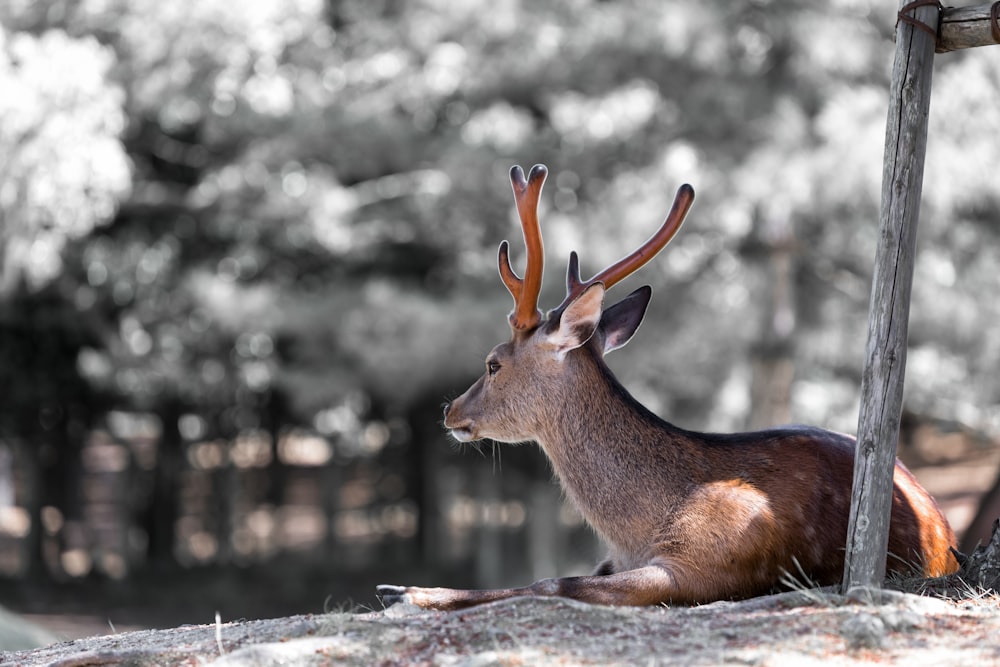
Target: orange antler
pixel 525 315
pixel 631 263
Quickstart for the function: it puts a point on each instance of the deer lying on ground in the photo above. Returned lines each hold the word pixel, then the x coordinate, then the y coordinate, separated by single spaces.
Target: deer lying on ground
pixel 689 517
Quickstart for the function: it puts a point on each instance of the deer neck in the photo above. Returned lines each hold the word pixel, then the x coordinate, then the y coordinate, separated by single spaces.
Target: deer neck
pixel 604 445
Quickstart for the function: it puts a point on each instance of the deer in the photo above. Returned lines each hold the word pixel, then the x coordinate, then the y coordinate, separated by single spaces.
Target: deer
pixel 688 517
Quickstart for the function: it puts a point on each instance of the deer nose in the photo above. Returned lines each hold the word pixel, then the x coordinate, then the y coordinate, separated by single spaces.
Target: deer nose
pixel 450 417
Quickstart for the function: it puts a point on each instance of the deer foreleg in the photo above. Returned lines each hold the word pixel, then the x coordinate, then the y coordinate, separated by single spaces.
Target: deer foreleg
pixel 648 585
pixel 444 599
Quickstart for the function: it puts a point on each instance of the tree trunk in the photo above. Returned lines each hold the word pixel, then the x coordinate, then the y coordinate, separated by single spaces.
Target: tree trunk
pixel 545 535
pixel 981 525
pixel 489 540
pixel 981 569
pixel 773 357
pixel 161 515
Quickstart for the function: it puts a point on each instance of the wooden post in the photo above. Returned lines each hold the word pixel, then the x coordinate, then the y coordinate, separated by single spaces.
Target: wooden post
pixel 885 353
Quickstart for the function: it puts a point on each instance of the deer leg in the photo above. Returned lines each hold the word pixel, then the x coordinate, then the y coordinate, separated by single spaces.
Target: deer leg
pixel 648 585
pixel 443 599
pixel 642 586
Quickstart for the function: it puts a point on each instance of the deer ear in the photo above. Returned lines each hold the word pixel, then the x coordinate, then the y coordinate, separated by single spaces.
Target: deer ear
pixel 578 321
pixel 620 321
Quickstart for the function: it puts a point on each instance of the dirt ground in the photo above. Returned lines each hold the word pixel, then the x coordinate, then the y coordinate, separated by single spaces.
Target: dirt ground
pixel 797 628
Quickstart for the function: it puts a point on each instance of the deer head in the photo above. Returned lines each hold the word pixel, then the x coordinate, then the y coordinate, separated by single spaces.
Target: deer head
pixel 525 376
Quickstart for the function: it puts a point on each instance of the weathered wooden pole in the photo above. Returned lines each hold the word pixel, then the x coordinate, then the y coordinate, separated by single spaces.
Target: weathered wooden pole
pixel 885 353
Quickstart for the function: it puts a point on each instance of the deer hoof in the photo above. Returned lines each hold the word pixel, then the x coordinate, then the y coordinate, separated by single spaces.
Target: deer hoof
pixel 390 595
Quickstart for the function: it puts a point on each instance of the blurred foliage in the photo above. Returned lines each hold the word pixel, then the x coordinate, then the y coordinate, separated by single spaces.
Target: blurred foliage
pixel 329 178
pixel 221 204
pixel 327 182
pixel 64 168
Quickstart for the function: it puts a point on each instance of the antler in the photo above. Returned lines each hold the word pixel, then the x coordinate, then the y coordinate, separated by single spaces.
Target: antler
pixel 525 315
pixel 631 263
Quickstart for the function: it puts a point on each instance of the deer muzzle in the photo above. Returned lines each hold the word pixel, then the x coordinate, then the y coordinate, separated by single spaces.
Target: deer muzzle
pixel 460 428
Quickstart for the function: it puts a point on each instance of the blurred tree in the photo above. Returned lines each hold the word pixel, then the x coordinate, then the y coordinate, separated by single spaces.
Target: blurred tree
pixel 63 174
pixel 47 416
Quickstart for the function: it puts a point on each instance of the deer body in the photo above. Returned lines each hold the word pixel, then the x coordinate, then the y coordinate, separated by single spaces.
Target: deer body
pixel 688 517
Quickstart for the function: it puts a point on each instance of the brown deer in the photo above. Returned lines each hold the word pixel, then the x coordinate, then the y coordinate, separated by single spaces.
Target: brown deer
pixel 688 517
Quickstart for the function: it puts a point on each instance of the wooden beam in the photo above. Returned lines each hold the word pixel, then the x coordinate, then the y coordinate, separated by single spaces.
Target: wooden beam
pixel 885 353
pixel 966 27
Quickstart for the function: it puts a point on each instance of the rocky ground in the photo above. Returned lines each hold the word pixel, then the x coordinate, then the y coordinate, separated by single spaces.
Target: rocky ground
pixel 796 628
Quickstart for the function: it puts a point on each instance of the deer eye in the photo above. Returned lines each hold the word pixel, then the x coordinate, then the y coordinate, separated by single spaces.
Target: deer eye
pixel 492 366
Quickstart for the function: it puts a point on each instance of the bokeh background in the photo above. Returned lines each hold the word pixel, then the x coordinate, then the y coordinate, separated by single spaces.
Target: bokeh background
pixel 247 250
